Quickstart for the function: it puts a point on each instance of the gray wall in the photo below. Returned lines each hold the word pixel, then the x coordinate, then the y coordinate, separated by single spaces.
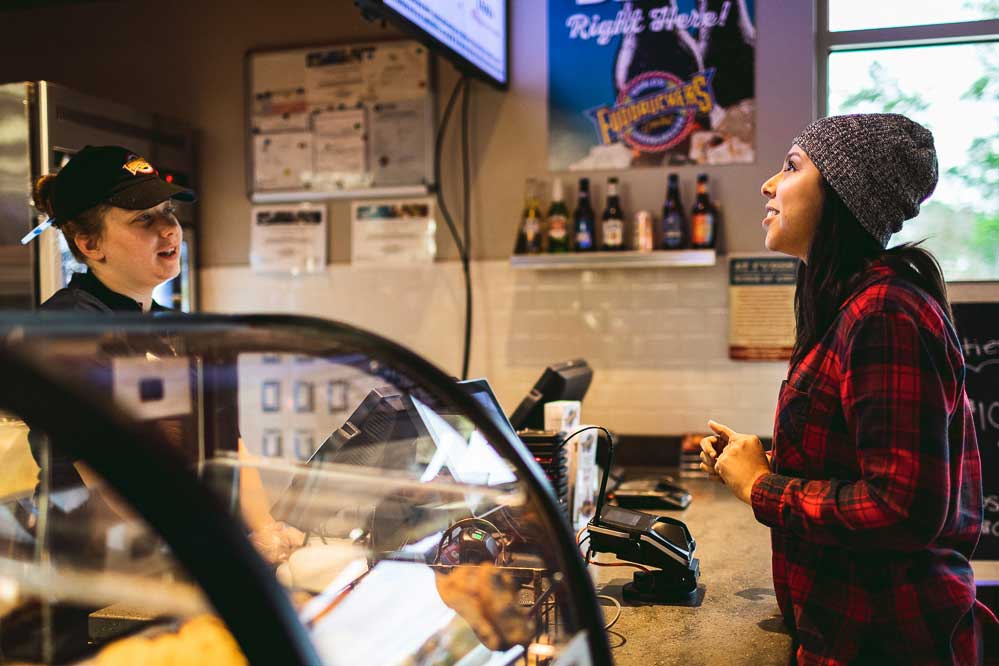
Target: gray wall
pixel 187 62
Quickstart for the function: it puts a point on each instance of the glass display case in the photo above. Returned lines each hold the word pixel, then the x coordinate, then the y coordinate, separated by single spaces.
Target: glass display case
pixel 269 490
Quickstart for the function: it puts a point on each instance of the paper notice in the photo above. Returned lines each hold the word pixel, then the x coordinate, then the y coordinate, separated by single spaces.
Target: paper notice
pixel 398 143
pixel 340 145
pixel 393 232
pixel 761 308
pixel 334 78
pixel 288 239
pixel 282 160
pixel 396 73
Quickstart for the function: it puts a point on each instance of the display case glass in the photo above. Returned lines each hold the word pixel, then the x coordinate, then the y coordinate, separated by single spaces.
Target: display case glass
pixel 229 490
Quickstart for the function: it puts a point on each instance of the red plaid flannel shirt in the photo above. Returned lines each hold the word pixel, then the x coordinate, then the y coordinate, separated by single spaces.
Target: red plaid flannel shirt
pixel 875 499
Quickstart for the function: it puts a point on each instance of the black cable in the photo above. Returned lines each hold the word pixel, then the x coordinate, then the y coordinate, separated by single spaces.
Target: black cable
pixel 610 437
pixel 464 252
pixel 610 461
pixel 466 179
pixel 438 150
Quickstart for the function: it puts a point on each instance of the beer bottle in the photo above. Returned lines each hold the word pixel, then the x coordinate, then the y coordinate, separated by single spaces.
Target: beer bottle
pixel 583 219
pixel 703 218
pixel 529 237
pixel 674 221
pixel 612 223
pixel 558 221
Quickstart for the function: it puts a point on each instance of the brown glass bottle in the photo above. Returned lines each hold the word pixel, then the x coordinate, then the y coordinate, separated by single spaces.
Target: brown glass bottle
pixel 674 221
pixel 612 224
pixel 703 218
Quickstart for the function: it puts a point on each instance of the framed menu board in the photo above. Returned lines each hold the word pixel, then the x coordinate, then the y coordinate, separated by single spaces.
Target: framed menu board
pixel 977 326
pixel 339 121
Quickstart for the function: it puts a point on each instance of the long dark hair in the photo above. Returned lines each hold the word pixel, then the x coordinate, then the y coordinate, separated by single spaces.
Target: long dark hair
pixel 838 259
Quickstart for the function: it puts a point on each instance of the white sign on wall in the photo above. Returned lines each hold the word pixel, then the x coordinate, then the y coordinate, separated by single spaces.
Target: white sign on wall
pixel 288 239
pixel 400 231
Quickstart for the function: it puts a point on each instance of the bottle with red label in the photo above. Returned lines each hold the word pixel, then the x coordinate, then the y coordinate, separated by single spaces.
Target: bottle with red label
pixel 703 218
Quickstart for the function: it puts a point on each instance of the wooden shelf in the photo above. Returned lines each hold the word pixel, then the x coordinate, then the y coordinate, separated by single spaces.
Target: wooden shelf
pixel 598 260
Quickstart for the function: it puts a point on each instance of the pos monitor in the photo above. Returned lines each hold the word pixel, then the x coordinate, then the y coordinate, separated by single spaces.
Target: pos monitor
pixel 568 380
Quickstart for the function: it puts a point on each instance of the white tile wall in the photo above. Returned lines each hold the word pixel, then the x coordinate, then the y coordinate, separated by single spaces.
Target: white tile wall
pixel 657 338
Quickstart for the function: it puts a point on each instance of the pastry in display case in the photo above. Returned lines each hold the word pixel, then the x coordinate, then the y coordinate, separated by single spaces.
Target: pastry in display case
pixel 269 490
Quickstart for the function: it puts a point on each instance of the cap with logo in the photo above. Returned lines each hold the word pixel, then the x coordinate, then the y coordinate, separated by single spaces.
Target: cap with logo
pixel 107 175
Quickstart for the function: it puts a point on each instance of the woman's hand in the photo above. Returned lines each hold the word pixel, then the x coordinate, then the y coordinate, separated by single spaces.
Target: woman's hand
pixel 276 541
pixel 741 462
pixel 711 448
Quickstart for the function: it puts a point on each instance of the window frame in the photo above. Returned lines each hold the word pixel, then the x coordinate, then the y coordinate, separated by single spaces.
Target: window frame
pixel 938 34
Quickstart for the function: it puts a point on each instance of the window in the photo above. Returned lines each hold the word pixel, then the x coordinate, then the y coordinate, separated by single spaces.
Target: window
pixel 938 63
pixel 865 15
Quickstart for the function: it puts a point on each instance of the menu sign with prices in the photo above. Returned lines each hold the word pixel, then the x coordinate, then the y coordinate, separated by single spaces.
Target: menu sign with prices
pixel 977 327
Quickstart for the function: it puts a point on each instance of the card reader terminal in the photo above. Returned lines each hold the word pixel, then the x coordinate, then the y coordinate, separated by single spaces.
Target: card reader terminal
pixel 655 541
pixel 645 539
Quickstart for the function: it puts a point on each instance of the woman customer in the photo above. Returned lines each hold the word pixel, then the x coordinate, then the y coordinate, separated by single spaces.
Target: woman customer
pixel 873 490
pixel 118 218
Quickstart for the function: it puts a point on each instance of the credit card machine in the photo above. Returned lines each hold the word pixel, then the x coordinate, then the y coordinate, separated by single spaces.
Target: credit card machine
pixel 653 541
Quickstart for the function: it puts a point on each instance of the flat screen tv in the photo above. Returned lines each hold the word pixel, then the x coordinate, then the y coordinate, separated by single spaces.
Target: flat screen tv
pixel 472 34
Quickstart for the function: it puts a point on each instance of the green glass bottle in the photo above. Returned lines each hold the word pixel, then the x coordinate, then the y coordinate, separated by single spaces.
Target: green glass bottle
pixel 558 221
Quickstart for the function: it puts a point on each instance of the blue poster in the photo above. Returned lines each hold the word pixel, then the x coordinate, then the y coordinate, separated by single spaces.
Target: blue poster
pixel 636 83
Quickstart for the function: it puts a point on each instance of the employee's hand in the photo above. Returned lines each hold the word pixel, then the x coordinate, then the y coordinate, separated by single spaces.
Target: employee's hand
pixel 276 541
pixel 742 461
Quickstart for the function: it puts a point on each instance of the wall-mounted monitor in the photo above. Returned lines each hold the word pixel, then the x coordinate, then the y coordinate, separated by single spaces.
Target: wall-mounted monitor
pixel 473 34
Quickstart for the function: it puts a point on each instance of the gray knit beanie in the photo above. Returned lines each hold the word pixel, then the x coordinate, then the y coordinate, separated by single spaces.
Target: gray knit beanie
pixel 882 165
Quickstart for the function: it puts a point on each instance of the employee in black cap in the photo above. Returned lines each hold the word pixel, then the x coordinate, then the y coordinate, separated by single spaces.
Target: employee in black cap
pixel 117 215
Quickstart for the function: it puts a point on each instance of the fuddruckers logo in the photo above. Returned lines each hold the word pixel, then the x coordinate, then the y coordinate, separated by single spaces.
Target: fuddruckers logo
pixel 655 110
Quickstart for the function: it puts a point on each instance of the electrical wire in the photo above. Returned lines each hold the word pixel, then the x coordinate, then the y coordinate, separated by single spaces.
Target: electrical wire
pixel 438 150
pixel 462 242
pixel 579 534
pixel 466 179
pixel 610 437
pixel 617 604
pixel 616 564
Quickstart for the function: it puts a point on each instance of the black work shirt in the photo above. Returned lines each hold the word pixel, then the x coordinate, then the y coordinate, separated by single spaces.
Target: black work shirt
pixel 85 293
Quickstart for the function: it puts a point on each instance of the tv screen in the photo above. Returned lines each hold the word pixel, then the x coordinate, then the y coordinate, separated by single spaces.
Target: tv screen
pixel 471 33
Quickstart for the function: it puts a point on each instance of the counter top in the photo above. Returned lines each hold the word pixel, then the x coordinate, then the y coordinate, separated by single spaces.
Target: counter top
pixel 734 618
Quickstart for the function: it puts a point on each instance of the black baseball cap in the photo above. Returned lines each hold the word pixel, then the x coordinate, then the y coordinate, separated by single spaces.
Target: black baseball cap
pixel 110 175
